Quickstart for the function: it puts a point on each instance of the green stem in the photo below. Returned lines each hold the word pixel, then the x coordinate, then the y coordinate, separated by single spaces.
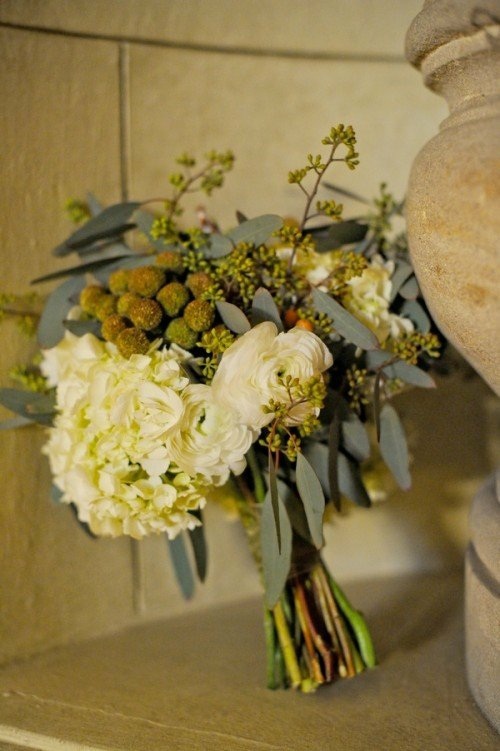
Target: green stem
pixel 358 625
pixel 258 480
pixel 270 648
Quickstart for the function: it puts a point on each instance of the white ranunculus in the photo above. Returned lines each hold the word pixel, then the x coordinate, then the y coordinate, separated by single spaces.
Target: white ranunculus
pixel 210 441
pixel 369 300
pixel 251 370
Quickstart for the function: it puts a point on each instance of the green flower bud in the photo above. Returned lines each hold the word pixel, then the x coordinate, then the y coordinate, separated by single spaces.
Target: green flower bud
pixel 178 332
pixel 125 301
pixel 145 314
pixel 199 315
pixel 118 281
pixel 106 307
pixel 170 260
pixel 199 282
pixel 90 296
pixel 146 280
pixel 132 341
pixel 173 297
pixel 112 326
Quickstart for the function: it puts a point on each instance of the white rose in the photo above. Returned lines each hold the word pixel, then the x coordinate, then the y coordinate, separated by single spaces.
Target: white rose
pixel 251 370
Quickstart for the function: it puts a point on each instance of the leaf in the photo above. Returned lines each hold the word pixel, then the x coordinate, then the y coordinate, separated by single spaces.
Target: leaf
pixel 233 317
pixel 312 497
pixel 336 235
pixel 346 193
pixel 414 311
pixel 199 547
pixel 345 323
pixel 276 560
pixel 410 289
pixel 182 567
pixel 350 482
pixel 56 494
pixel 50 327
pixel 114 220
pixel 376 403
pixel 113 248
pixel 255 231
pixel 240 217
pixel 29 404
pixel 265 309
pixel 103 274
pixel 402 272
pixel 400 369
pixel 273 490
pixel 15 422
pixel 295 510
pixel 218 246
pixel 80 270
pixel 354 437
pixel 323 460
pixel 95 206
pixel 393 446
pixel 79 328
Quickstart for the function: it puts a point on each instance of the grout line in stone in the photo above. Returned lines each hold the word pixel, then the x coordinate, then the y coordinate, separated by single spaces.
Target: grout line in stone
pixel 289 54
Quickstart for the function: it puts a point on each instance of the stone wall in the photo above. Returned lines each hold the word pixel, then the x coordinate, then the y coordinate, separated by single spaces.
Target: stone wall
pixel 103 95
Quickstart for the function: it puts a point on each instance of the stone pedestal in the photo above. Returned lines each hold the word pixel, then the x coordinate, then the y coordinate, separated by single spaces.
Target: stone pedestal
pixel 453 227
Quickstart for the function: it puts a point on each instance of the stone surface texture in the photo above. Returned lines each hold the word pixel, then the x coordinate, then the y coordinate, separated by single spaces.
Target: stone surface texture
pixel 102 95
pixel 453 229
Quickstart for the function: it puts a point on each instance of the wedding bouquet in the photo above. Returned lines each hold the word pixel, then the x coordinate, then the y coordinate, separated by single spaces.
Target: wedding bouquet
pixel 174 361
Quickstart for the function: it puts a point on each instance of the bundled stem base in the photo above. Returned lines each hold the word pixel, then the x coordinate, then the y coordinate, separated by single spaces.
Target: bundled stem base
pixel 314 635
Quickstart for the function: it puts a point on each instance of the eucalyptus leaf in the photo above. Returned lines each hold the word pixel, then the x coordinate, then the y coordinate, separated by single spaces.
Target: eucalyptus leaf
pixel 29 404
pixel 393 446
pixel 95 206
pixel 350 482
pixel 181 565
pixel 56 494
pixel 240 217
pixel 345 323
pixel 218 246
pixel 402 272
pixel 410 289
pixel 79 328
pixel 255 231
pixel 51 327
pixel 83 525
pixel 312 497
pixel 265 309
pixel 346 233
pixel 80 270
pixel 15 422
pixel 114 220
pixel 112 248
pixel 276 559
pixel 354 437
pixel 233 317
pixel 132 262
pixel 199 547
pixel 275 499
pixel 346 193
pixel 295 510
pixel 400 369
pixel 414 311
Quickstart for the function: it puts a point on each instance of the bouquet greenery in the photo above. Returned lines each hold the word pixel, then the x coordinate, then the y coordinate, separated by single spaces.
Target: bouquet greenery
pixel 174 361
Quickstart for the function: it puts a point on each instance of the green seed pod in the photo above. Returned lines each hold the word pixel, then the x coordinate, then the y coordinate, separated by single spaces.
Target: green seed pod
pixel 173 297
pixel 112 326
pixel 178 332
pixel 118 281
pixel 170 260
pixel 125 301
pixel 106 307
pixel 199 315
pixel 199 282
pixel 132 341
pixel 146 280
pixel 146 314
pixel 90 297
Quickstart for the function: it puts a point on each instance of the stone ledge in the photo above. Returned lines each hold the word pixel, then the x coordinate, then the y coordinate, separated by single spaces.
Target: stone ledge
pixel 195 683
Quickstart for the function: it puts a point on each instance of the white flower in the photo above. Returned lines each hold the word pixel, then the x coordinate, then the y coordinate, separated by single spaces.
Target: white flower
pixel 110 448
pixel 369 299
pixel 251 370
pixel 210 441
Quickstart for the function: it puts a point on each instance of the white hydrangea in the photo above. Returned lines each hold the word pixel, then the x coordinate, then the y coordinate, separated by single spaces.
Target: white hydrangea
pixel 251 370
pixel 120 429
pixel 369 299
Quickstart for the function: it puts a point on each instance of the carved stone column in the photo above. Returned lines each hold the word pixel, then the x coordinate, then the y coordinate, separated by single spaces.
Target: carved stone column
pixel 453 215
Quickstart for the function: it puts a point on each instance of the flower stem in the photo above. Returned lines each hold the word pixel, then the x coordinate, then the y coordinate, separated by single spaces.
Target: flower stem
pixel 287 646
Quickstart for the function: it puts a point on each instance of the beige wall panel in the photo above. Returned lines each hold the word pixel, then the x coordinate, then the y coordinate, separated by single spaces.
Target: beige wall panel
pixel 272 112
pixel 362 27
pixel 59 134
